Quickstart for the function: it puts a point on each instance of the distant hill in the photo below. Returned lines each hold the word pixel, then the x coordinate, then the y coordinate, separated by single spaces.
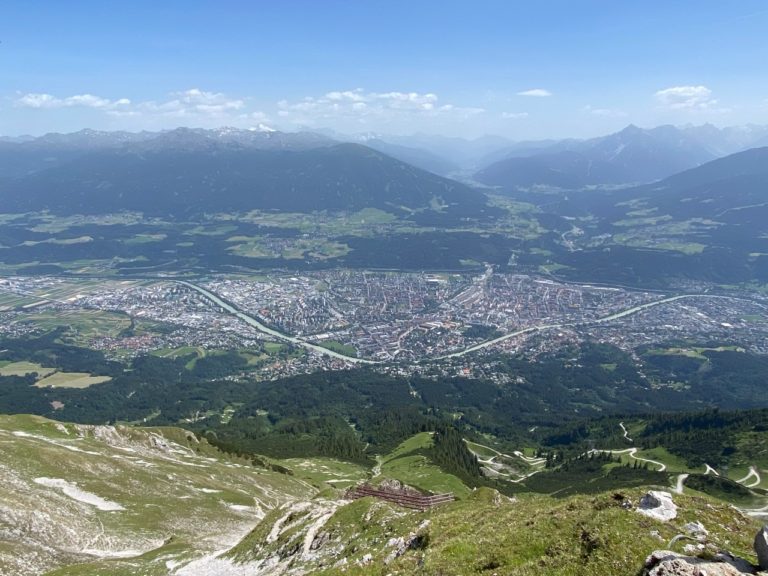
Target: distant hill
pixel 418 157
pixel 731 189
pixel 567 170
pixel 728 140
pixel 633 155
pixel 467 154
pixel 196 171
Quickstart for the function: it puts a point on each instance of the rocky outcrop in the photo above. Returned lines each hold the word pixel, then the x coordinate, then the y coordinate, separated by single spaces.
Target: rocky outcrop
pixel 761 548
pixel 402 545
pixel 668 563
pixel 658 505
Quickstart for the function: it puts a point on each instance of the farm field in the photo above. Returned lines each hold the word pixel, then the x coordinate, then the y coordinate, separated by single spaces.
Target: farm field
pixel 71 380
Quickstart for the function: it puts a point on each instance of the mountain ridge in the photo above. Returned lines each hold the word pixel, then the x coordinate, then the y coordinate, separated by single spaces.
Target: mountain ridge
pixel 186 171
pixel 632 155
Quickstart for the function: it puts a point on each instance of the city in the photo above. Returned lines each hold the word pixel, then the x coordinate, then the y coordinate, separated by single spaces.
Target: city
pixel 403 323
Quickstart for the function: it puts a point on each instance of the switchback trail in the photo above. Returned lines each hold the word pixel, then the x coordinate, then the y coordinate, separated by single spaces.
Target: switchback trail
pixel 679 485
pixel 753 473
pixel 626 433
pixel 632 452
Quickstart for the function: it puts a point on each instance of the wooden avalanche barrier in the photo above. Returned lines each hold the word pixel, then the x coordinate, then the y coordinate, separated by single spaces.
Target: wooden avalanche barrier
pixel 404 498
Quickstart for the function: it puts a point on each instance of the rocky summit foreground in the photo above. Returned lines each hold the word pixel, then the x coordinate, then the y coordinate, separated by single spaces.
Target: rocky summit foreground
pixel 93 500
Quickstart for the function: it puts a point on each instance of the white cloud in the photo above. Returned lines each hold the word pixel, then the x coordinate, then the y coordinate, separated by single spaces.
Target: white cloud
pixel 686 98
pixel 37 101
pixel 194 102
pixel 360 106
pixel 346 109
pixel 33 100
pixel 514 115
pixel 186 103
pixel 536 93
pixel 604 112
pixel 353 95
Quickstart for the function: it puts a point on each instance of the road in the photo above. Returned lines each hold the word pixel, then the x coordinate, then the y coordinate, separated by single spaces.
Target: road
pixel 609 318
pixel 753 473
pixel 251 321
pixel 680 481
pixel 632 452
pixel 541 461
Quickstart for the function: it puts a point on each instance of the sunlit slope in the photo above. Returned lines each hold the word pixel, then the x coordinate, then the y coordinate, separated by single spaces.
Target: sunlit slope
pixel 75 494
pixel 484 533
pixel 91 501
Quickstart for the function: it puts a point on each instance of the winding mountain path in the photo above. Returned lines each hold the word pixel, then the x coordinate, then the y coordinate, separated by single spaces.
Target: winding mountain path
pixel 756 511
pixel 753 473
pixel 632 452
pixel 626 433
pixel 679 484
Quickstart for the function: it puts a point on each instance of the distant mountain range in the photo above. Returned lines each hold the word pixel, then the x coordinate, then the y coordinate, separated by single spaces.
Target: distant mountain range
pixel 707 223
pixel 195 170
pixel 634 155
pixel 420 157
pixel 24 155
pixel 188 171
pixel 631 156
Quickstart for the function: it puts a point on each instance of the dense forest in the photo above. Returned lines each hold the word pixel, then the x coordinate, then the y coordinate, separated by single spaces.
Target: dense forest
pixel 354 413
pixel 714 437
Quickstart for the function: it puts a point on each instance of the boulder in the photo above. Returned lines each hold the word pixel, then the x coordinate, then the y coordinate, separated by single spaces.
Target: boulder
pixel 761 548
pixel 658 505
pixel 697 530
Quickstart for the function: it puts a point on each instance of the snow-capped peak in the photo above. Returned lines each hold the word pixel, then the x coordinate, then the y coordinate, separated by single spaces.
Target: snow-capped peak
pixel 262 128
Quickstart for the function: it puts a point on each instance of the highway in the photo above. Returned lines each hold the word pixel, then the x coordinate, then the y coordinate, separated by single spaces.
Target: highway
pixel 610 317
pixel 251 321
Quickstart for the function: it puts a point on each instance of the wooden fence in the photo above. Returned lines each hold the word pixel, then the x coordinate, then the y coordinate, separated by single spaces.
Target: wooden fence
pixel 407 499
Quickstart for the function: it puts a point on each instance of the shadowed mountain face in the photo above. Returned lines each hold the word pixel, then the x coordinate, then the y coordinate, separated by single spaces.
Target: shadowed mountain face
pixel 710 222
pixel 191 172
pixel 23 156
pixel 732 189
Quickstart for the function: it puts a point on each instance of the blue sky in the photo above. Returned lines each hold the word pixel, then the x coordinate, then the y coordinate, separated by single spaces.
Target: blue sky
pixel 520 69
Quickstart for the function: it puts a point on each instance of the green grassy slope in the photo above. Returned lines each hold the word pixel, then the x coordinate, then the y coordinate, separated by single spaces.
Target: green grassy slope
pixel 95 500
pixel 102 496
pixel 485 533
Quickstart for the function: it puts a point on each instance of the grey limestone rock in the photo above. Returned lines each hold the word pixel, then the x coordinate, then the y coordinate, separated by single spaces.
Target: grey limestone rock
pixel 761 548
pixel 658 505
pixel 668 563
